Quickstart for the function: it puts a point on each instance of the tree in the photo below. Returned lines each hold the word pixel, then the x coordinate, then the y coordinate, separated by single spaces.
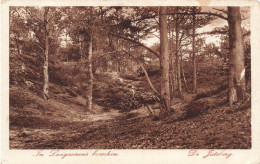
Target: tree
pixel 44 27
pixel 237 86
pixel 194 65
pixel 89 64
pixel 46 53
pixel 182 32
pixel 178 21
pixel 177 32
pixel 81 28
pixel 18 32
pixel 164 60
pixel 237 91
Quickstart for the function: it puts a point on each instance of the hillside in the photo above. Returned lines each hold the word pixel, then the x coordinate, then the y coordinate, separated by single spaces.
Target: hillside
pixel 120 120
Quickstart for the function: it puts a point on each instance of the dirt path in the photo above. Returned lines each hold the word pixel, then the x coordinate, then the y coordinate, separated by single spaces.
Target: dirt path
pixel 62 121
pixel 74 129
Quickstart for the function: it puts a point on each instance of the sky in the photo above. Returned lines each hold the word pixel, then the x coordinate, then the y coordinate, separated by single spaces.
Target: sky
pixel 216 23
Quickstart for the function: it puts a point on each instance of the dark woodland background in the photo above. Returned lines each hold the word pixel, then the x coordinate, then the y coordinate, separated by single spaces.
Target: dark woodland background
pixel 82 78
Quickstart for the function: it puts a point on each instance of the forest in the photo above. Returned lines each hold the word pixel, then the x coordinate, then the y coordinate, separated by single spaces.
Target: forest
pixel 120 77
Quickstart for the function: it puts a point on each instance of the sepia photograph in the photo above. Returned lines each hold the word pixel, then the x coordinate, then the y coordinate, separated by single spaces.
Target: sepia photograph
pixel 129 77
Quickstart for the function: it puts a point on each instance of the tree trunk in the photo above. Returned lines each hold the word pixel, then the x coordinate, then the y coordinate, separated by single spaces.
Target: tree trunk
pixel 81 48
pixel 67 55
pixel 46 59
pixel 171 73
pixel 177 58
pixel 237 86
pixel 194 75
pixel 89 96
pixel 183 76
pixel 179 76
pixel 184 80
pixel 146 74
pixel 150 110
pixel 17 44
pixel 148 79
pixel 90 77
pixel 118 67
pixel 164 59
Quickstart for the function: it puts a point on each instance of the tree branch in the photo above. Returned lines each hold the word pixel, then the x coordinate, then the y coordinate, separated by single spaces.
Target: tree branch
pixel 33 16
pixel 201 13
pixel 96 59
pixel 136 42
pixel 224 11
pixel 214 32
pixel 146 74
pixel 38 46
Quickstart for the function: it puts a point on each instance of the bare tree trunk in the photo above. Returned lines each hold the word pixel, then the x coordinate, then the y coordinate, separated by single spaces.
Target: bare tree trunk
pixel 174 71
pixel 148 80
pixel 89 96
pixel 183 76
pixel 164 59
pixel 46 59
pixel 17 44
pixel 178 73
pixel 67 56
pixel 150 110
pixel 146 74
pixel 171 73
pixel 177 58
pixel 184 80
pixel 171 81
pixel 118 67
pixel 80 48
pixel 194 75
pixel 57 50
pixel 237 86
pixel 90 76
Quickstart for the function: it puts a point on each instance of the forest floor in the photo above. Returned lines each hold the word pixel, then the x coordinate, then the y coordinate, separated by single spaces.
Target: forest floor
pixel 198 121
